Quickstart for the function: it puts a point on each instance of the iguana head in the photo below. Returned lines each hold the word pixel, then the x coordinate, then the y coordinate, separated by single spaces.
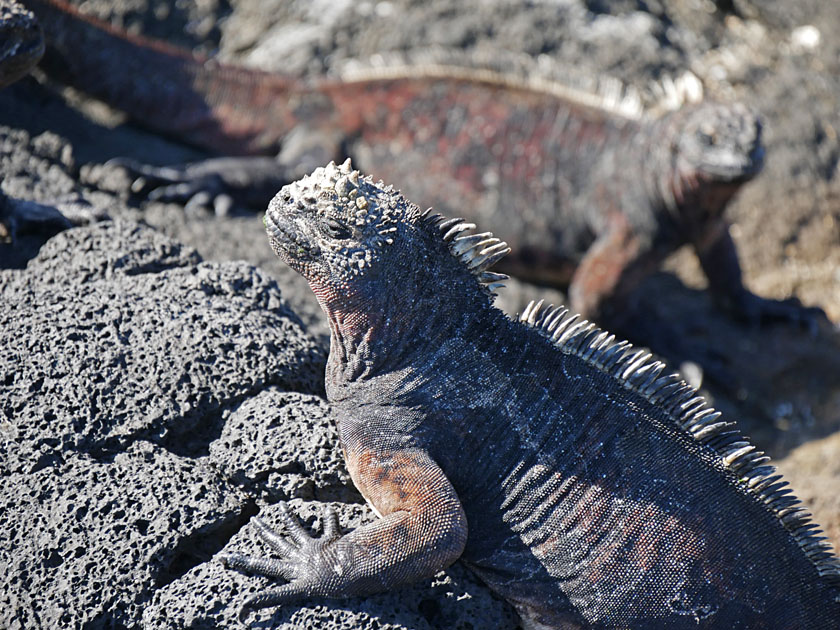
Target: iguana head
pixel 703 154
pixel 370 255
pixel 719 142
pixel 21 42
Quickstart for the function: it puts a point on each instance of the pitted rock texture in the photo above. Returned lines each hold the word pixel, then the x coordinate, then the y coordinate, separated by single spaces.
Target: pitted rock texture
pixel 114 332
pixel 106 251
pixel 83 542
pixel 148 400
pixel 122 353
pixel 286 445
pixel 35 163
pixel 209 596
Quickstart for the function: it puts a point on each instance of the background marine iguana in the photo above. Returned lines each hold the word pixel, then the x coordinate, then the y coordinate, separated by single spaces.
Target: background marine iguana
pixel 599 493
pixel 592 189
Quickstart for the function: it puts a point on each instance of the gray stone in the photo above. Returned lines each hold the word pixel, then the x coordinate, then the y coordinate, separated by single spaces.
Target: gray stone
pixel 123 352
pixel 115 333
pixel 83 543
pixel 106 251
pixel 283 445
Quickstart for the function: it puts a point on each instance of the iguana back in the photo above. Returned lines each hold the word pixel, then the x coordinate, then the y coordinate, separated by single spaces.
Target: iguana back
pixel 591 483
pixel 584 489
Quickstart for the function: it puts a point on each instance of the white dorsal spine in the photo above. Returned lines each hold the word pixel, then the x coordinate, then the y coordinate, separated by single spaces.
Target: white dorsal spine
pixel 477 252
pixel 539 74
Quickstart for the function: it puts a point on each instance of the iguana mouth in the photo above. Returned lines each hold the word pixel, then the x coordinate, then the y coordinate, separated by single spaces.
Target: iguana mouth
pixel 17 57
pixel 733 167
pixel 286 240
pixel 279 232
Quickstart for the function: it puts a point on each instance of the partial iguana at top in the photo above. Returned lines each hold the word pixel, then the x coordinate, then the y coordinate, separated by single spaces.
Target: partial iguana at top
pixel 588 190
pixel 579 482
pixel 21 41
pixel 21 46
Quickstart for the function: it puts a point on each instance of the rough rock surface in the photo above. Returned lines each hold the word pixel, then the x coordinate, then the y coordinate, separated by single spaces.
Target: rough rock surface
pixel 122 352
pixel 87 540
pixel 148 342
pixel 140 489
pixel 285 445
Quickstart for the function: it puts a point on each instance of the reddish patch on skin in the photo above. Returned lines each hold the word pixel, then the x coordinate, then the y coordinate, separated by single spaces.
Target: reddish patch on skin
pixel 645 539
pixel 345 307
pixel 670 537
pixel 447 119
pixel 607 269
pixel 422 516
pixel 393 482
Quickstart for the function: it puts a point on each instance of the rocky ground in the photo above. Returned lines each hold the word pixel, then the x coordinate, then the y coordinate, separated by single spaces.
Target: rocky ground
pixel 157 393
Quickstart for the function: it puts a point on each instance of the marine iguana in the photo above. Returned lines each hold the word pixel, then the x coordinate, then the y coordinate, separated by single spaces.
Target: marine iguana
pixel 581 483
pixel 591 189
pixel 21 41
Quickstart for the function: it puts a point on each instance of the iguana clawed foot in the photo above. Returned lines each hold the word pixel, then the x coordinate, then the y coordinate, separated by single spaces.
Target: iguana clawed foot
pixel 303 560
pixel 19 216
pixel 217 183
pixel 756 310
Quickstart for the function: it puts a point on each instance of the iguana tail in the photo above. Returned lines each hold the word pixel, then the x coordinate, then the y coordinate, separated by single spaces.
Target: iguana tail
pixel 223 108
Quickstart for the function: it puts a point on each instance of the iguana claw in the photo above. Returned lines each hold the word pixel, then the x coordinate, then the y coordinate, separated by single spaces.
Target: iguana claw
pixel 300 554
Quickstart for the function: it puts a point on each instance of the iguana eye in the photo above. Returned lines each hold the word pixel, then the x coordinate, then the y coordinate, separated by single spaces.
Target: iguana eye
pixel 707 136
pixel 336 229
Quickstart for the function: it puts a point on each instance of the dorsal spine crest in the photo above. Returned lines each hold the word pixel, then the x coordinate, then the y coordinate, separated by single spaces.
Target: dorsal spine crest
pixel 692 416
pixel 542 73
pixel 477 252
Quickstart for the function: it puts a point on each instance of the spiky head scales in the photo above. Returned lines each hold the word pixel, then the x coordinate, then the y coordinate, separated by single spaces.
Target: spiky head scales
pixel 345 233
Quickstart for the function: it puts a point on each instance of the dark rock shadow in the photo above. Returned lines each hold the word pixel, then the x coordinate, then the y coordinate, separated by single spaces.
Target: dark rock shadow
pixel 783 384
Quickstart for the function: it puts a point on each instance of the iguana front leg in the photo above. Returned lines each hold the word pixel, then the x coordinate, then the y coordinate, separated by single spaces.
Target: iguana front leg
pixel 217 183
pixel 719 259
pixel 423 530
pixel 602 288
pixel 19 216
pixel 607 274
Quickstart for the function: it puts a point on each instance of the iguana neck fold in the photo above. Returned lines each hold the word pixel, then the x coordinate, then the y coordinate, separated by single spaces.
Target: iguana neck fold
pixel 376 332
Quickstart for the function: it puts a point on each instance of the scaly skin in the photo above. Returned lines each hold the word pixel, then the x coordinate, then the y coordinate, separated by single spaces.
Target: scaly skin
pixel 21 42
pixel 588 197
pixel 578 482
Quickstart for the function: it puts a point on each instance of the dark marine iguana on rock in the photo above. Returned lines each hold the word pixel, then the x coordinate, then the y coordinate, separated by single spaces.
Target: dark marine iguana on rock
pixel 591 189
pixel 581 483
pixel 21 41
